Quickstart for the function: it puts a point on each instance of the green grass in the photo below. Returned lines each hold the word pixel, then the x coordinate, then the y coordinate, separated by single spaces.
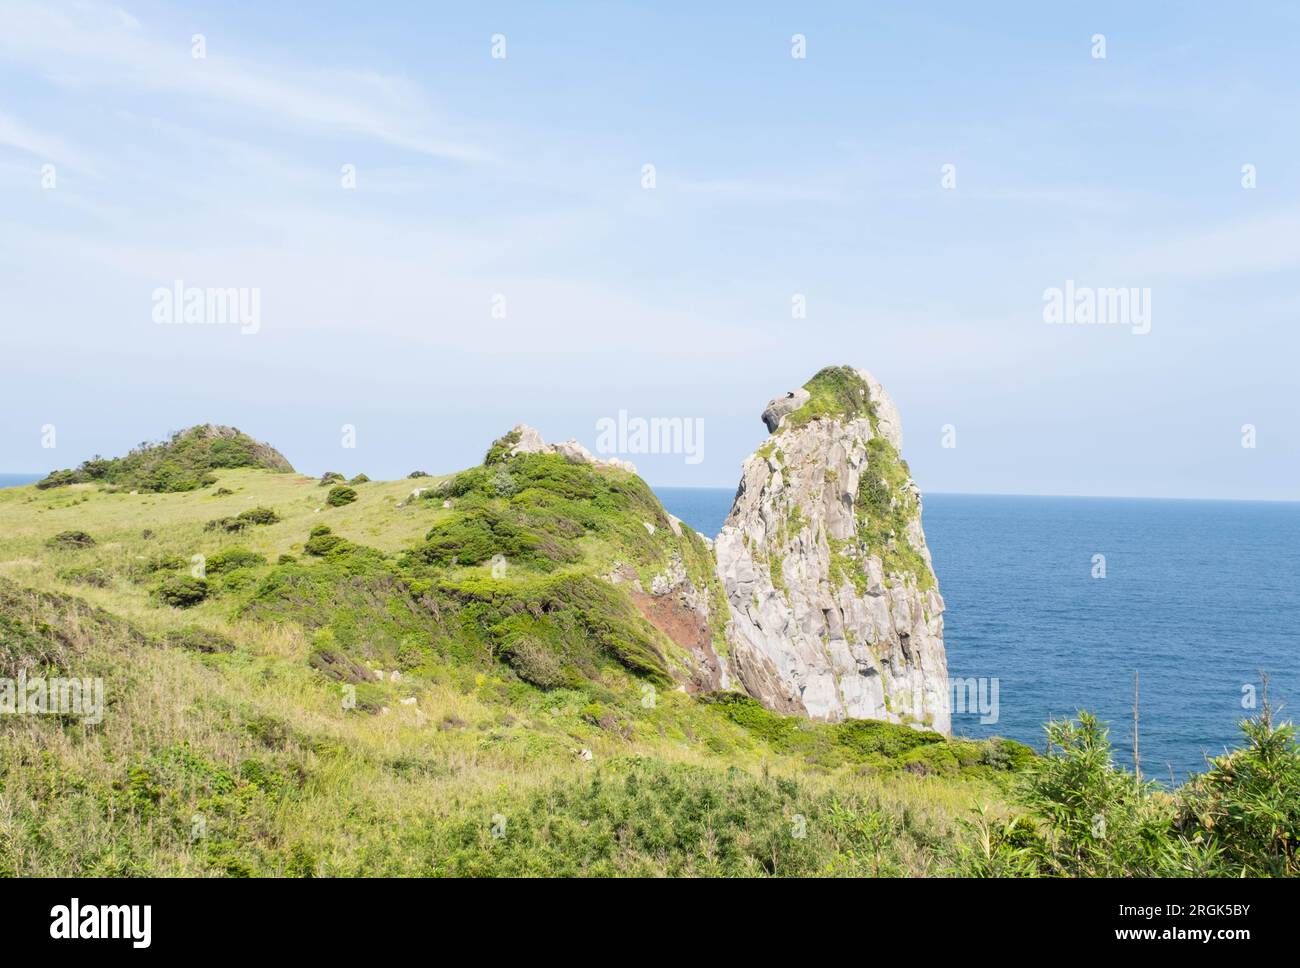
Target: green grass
pixel 237 734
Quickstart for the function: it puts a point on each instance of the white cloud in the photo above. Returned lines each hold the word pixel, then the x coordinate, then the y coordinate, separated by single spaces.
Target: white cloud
pixel 87 45
pixel 45 147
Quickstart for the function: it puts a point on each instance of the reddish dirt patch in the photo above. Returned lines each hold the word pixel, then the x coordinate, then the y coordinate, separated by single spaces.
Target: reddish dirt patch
pixel 688 629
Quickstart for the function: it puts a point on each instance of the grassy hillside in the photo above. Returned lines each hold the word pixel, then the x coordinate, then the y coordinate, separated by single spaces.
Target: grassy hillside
pixel 449 684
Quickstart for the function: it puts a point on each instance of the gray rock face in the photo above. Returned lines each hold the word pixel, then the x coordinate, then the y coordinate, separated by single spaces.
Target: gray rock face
pixel 778 408
pixel 834 609
pixel 530 442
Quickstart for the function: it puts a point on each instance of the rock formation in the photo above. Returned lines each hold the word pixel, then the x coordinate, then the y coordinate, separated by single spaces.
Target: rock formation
pixel 524 439
pixel 834 608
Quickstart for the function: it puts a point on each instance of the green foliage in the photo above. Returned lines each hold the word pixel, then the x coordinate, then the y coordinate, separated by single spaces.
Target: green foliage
pixel 71 540
pixel 181 591
pixel 228 559
pixel 637 817
pixel 360 479
pixel 258 515
pixel 886 505
pixel 53 632
pixel 1246 806
pixel 363 601
pixel 837 392
pixel 577 621
pixel 196 638
pixel 473 538
pixel 253 516
pixel 501 447
pixel 89 575
pixel 339 496
pixel 59 479
pixel 320 545
pixel 869 743
pixel 183 463
pixel 1100 821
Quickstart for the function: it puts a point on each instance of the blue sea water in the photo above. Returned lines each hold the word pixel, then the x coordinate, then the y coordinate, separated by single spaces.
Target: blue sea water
pixel 18 480
pixel 1199 597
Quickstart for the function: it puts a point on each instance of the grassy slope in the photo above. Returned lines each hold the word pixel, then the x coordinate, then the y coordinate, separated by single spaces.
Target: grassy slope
pixel 257 744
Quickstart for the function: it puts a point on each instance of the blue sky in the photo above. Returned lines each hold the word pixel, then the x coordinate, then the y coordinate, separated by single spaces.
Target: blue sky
pixel 821 176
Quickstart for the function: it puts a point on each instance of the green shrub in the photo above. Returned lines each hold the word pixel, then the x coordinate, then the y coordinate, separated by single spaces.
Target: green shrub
pixel 259 515
pixel 1246 807
pixel 182 591
pixel 360 479
pixel 322 542
pixel 195 638
pixel 228 559
pixel 71 539
pixel 142 569
pixel 87 575
pixel 1102 821
pixel 501 447
pixel 339 496
pixel 58 479
pixel 245 519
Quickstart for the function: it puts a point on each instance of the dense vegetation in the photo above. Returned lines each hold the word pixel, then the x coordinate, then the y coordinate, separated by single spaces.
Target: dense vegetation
pixel 836 392
pixel 886 503
pixel 184 463
pixel 450 684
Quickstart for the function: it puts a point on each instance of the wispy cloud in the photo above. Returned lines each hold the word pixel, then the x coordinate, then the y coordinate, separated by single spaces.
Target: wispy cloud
pixel 97 45
pixel 39 144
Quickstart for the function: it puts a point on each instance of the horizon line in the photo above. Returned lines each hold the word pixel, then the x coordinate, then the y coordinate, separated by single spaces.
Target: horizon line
pixel 720 487
pixel 1099 497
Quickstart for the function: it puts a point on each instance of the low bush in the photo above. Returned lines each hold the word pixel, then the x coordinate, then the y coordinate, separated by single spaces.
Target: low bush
pixel 182 591
pixel 228 559
pixel 339 496
pixel 195 638
pixel 88 575
pixel 71 539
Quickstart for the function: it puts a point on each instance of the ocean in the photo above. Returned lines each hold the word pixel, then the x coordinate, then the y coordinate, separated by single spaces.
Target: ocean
pixel 1199 597
pixel 18 480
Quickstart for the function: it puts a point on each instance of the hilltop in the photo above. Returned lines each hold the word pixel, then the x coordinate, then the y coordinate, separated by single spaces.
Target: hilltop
pixel 185 462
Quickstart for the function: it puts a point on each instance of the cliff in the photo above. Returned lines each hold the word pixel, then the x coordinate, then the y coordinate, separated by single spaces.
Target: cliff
pixel 833 604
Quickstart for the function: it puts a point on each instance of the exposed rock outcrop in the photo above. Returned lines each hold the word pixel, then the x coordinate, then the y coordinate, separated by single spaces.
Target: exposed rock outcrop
pixel 835 612
pixel 524 439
